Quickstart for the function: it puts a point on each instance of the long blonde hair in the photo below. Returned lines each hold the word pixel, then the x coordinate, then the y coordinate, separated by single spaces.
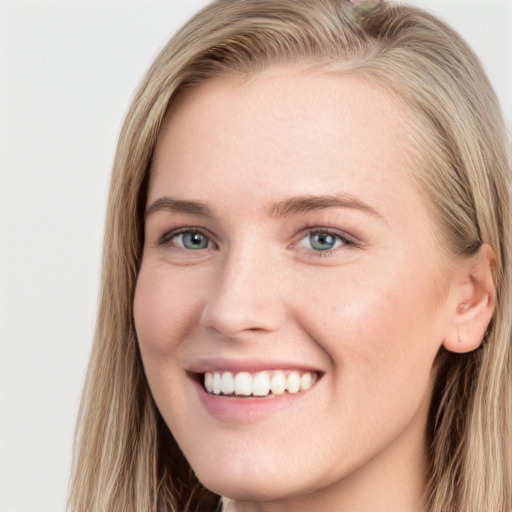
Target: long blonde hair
pixel 126 459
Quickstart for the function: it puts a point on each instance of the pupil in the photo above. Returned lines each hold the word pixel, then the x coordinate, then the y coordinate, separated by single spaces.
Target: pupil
pixel 323 241
pixel 194 241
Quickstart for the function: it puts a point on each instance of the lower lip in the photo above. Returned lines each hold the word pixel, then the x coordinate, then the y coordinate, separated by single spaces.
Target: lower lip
pixel 230 409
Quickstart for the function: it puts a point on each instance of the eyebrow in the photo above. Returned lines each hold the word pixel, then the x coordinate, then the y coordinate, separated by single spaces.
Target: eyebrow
pixel 179 206
pixel 282 209
pixel 303 204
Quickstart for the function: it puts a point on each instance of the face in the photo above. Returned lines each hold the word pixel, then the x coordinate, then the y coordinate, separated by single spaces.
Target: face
pixel 287 247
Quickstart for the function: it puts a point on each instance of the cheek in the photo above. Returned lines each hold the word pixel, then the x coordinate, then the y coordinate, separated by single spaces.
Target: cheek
pixel 165 308
pixel 375 326
pixel 381 347
pixel 165 311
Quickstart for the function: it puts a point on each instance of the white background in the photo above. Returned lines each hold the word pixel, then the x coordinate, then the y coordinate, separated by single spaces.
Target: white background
pixel 67 72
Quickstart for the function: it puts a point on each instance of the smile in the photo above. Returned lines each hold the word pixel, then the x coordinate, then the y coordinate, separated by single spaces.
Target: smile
pixel 260 384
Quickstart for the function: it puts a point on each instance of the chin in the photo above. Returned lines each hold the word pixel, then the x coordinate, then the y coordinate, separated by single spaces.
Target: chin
pixel 248 487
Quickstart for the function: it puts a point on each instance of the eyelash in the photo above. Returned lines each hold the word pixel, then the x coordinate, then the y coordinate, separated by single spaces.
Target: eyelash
pixel 306 232
pixel 169 236
pixel 346 241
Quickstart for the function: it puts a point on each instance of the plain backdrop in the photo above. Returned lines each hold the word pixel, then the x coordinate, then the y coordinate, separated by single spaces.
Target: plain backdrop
pixel 67 72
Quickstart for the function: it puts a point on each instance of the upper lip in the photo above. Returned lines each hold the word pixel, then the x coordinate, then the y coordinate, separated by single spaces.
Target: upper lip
pixel 246 365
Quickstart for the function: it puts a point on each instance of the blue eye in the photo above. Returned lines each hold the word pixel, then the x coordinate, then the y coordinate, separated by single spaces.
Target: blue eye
pixel 191 240
pixel 323 241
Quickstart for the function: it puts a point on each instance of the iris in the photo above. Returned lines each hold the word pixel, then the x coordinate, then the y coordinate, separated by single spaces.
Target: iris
pixel 194 240
pixel 322 241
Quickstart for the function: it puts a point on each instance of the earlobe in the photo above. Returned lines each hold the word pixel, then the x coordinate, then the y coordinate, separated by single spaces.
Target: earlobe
pixel 475 302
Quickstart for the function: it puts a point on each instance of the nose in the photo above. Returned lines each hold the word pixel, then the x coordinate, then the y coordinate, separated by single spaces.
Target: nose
pixel 247 296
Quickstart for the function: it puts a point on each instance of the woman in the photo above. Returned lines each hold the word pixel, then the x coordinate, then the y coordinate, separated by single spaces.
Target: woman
pixel 306 292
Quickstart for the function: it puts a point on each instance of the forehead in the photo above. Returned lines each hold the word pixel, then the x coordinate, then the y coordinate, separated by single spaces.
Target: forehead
pixel 285 98
pixel 304 131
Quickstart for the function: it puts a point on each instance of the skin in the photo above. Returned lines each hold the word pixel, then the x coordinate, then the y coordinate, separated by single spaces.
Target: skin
pixel 371 314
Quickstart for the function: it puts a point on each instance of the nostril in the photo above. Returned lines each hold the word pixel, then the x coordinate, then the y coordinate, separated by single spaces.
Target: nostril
pixel 244 302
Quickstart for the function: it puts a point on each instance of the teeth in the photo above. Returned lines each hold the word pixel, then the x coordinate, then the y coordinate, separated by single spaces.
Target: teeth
pixel 217 383
pixel 278 383
pixel 243 384
pixel 305 381
pixel 260 384
pixel 208 382
pixel 227 383
pixel 293 382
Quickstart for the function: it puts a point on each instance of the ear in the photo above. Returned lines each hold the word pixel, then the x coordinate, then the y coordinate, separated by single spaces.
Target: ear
pixel 475 297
